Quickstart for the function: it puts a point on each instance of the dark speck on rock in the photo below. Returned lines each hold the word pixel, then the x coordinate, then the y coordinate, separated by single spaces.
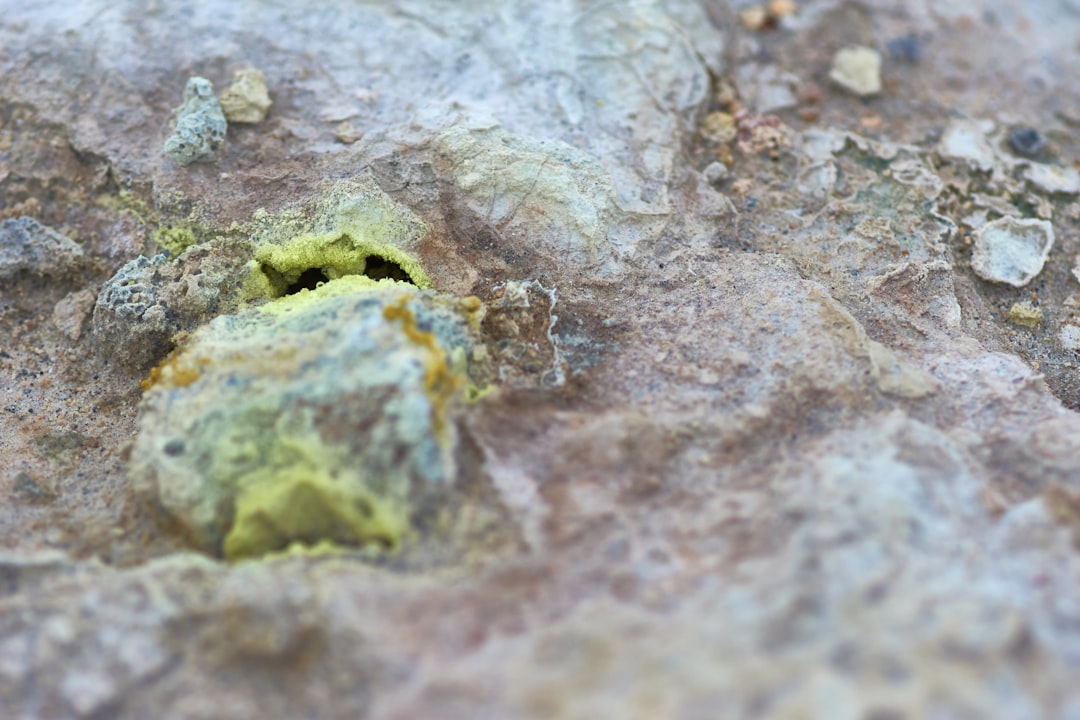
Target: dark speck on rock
pixel 1027 141
pixel 907 48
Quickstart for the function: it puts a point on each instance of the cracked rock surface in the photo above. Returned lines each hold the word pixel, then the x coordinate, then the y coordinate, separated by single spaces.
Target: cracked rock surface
pixel 742 421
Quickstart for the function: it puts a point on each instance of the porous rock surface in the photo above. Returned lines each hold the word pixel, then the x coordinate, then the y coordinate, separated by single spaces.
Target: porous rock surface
pixel 200 125
pixel 761 447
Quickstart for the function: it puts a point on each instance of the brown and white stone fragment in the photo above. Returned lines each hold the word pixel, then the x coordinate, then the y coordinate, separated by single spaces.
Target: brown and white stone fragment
pixel 72 312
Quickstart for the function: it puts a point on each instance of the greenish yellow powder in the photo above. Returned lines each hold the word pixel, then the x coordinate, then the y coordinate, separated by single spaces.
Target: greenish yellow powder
pixel 1025 315
pixel 302 505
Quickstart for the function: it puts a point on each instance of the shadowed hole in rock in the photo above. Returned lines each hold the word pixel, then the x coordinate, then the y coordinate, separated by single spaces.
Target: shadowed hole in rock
pixel 378 268
pixel 375 267
pixel 308 280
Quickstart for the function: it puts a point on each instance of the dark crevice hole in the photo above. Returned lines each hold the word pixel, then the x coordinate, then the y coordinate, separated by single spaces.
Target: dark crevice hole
pixel 378 268
pixel 375 267
pixel 308 280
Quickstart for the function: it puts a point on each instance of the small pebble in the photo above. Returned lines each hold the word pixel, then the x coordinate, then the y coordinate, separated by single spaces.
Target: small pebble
pixel 1011 251
pixel 857 70
pixel 718 127
pixel 1027 141
pixel 200 125
pixel 715 172
pixel 246 100
pixel 347 133
pixel 753 18
pixel 782 8
pixel 1024 314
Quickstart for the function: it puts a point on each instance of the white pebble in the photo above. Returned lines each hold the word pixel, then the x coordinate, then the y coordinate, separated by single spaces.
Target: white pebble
pixel 1012 251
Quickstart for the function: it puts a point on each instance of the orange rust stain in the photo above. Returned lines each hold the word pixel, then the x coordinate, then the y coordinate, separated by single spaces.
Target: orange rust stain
pixel 439 381
pixel 170 372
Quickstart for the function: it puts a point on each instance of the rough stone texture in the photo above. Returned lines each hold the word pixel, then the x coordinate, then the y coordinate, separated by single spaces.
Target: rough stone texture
pixel 141 308
pixel 316 417
pixel 756 444
pixel 246 100
pixel 200 125
pixel 27 246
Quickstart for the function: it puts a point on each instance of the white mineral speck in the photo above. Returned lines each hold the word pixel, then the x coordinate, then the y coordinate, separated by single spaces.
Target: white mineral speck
pixel 966 140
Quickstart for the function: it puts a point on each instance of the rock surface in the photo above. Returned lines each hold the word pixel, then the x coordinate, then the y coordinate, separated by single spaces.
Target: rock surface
pixel 28 247
pixel 760 442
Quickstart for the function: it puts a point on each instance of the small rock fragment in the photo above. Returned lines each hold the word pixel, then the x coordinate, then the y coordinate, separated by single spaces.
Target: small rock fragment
pixel 1011 251
pixel 151 299
pixel 347 133
pixel 1027 141
pixel 1025 315
pixel 246 100
pixel 871 121
pixel 767 87
pixel 754 18
pixel 782 8
pixel 718 127
pixel 858 70
pixel 1069 337
pixel 28 246
pixel 762 133
pixel 715 172
pixel 966 140
pixel 200 125
pixel 1053 178
pixel 71 313
pixel 766 18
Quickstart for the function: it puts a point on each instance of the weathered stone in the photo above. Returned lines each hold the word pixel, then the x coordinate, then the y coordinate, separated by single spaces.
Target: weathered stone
pixel 149 300
pixel 1012 251
pixel 857 70
pixel 339 432
pixel 200 125
pixel 27 246
pixel 246 100
pixel 71 313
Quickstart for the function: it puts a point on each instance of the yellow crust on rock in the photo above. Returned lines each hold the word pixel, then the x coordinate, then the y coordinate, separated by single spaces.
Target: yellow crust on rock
pixel 338 254
pixel 305 507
